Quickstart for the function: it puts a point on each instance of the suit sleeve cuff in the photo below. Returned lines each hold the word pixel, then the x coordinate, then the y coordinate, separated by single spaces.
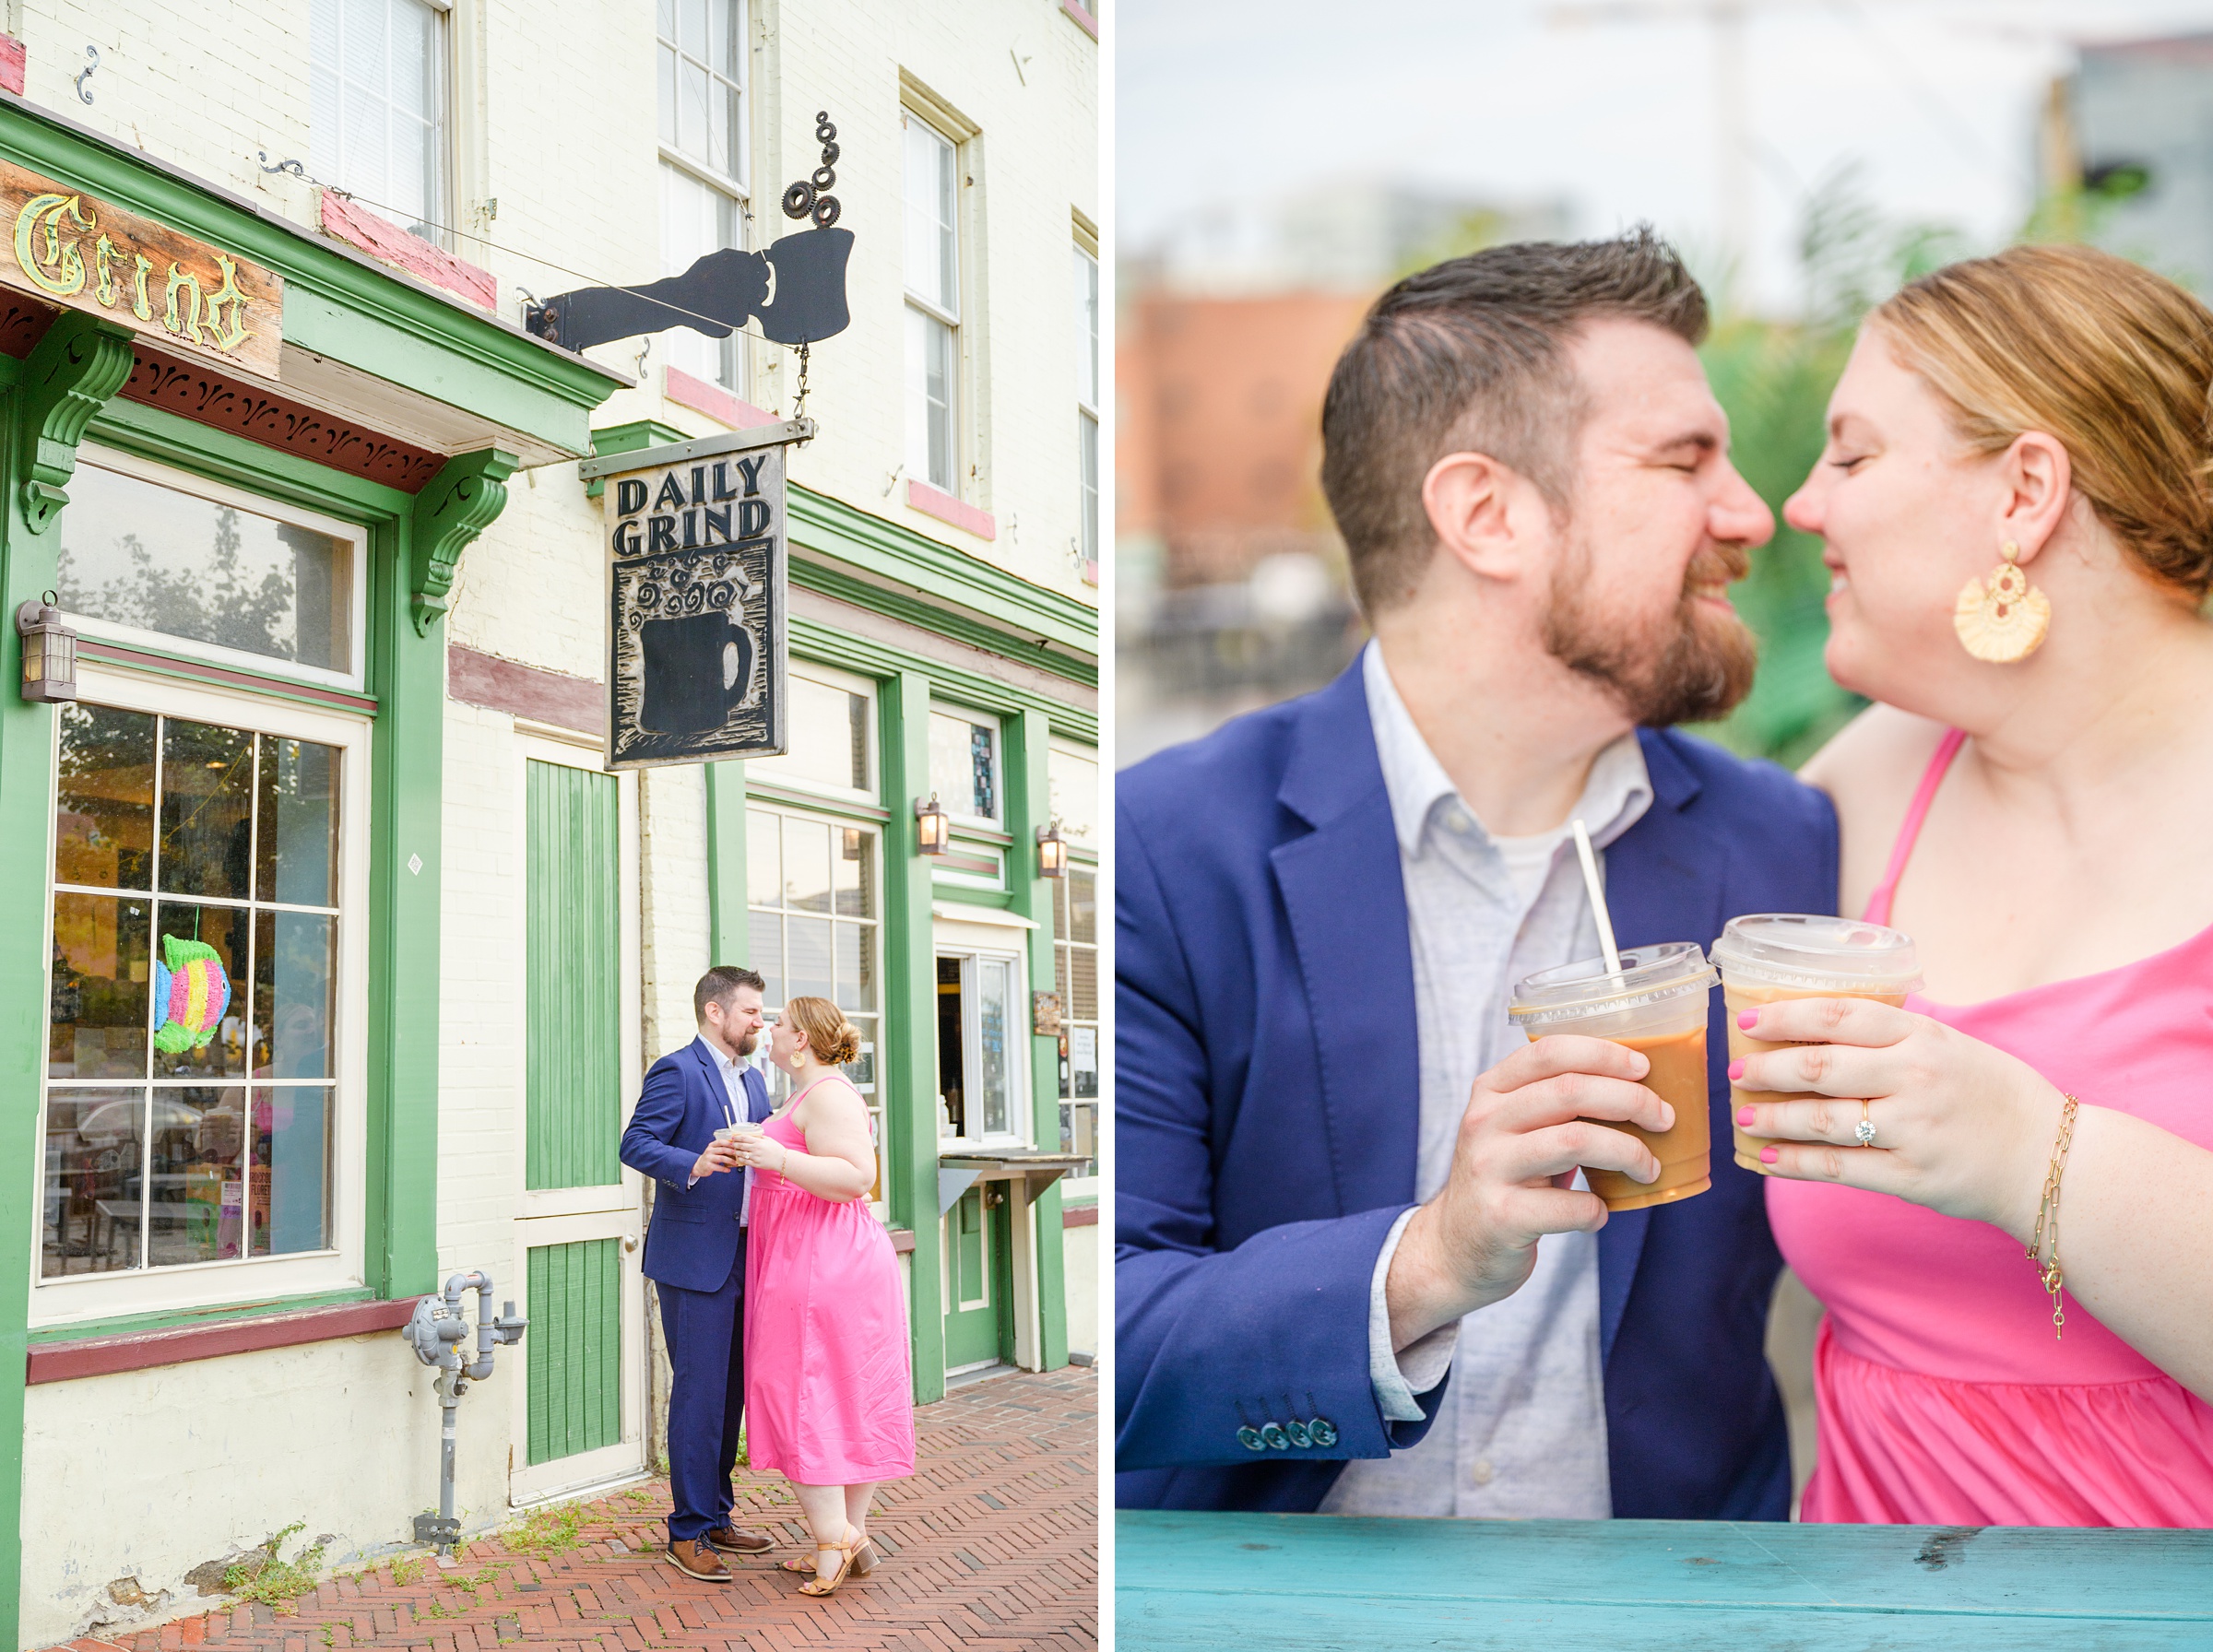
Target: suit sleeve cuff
pixel 1399 1374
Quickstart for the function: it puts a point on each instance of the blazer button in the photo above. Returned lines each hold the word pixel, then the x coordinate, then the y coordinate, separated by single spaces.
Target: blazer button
pixel 1322 1432
pixel 1298 1431
pixel 1250 1439
pixel 1277 1439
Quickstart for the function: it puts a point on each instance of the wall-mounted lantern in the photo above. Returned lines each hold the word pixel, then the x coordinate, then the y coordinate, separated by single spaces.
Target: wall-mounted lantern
pixel 1052 852
pixel 931 828
pixel 49 653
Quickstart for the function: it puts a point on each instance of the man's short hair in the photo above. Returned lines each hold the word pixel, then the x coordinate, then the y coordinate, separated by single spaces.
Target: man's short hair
pixel 716 985
pixel 1470 355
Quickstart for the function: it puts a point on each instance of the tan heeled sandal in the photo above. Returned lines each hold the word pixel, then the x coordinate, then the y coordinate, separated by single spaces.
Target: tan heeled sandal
pixel 819 1586
pixel 864 1562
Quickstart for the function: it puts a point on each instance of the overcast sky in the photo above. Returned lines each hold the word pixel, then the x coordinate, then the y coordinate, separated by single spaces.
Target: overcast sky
pixel 1936 99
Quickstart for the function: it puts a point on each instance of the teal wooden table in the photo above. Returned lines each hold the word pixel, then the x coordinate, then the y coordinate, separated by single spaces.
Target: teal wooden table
pixel 1303 1582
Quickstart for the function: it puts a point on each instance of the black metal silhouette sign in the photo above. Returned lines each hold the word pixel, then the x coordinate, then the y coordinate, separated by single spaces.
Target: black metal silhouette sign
pixel 696 548
pixel 796 289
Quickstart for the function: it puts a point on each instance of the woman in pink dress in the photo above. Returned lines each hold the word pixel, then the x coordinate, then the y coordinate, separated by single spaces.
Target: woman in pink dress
pixel 2030 802
pixel 828 1400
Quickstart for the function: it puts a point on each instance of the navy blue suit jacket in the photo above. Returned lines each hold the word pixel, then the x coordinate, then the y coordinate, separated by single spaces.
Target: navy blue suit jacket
pixel 1259 1169
pixel 693 1241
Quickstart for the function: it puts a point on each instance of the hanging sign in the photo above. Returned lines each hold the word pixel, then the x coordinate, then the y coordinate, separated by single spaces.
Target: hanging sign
pixel 697 553
pixel 72 249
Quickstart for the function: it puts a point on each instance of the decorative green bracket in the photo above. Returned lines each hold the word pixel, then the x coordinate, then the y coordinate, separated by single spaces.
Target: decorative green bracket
pixel 80 363
pixel 462 500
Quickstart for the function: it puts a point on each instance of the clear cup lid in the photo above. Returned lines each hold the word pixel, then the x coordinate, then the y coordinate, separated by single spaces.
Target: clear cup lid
pixel 1573 991
pixel 1803 950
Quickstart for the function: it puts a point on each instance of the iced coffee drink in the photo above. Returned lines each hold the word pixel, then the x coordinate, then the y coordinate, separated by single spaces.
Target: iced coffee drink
pixel 1656 1003
pixel 1779 955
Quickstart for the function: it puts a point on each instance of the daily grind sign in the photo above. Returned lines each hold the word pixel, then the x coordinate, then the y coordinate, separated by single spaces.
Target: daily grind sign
pixel 67 248
pixel 696 551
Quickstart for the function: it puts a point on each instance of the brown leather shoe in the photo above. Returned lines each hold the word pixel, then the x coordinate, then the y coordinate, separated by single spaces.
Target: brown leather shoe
pixel 695 1559
pixel 731 1540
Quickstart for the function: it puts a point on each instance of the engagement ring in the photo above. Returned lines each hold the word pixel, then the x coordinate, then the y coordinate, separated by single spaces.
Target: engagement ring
pixel 1863 1132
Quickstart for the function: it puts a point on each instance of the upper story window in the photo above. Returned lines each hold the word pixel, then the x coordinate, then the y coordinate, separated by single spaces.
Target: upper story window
pixel 159 558
pixel 1087 405
pixel 700 45
pixel 832 718
pixel 377 105
pixel 933 313
pixel 965 765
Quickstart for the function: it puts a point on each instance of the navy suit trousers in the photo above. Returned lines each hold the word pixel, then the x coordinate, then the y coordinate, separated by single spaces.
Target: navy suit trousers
pixel 705 1331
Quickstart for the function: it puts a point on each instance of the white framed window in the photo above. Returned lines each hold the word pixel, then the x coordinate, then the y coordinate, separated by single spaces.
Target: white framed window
pixel 983 1045
pixel 965 765
pixel 377 106
pixel 160 559
pixel 832 717
pixel 932 259
pixel 700 57
pixel 1087 405
pixel 1072 784
pixel 814 913
pixel 202 1106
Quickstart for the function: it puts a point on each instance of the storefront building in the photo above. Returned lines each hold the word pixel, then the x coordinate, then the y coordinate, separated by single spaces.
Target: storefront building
pixel 340 954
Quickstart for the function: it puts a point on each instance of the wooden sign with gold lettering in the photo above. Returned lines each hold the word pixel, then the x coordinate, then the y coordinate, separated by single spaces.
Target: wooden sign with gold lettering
pixel 69 248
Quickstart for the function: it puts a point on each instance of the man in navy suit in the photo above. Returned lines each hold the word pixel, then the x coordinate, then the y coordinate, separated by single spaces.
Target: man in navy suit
pixel 695 1255
pixel 1357 1267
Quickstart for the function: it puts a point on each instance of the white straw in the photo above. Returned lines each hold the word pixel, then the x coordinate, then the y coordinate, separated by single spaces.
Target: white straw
pixel 1598 900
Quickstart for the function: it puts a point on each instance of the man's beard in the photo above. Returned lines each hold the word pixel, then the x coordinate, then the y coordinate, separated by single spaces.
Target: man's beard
pixel 1693 667
pixel 746 1045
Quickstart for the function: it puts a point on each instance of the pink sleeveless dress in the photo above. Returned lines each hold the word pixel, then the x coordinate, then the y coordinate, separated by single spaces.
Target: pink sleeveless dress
pixel 828 1397
pixel 1943 1397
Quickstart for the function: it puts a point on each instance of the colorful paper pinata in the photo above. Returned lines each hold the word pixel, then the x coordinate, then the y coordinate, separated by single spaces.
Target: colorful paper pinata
pixel 191 992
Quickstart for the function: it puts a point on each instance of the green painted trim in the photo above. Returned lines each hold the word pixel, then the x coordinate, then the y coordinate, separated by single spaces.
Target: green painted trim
pixel 127 1324
pixel 164 437
pixel 848 808
pixel 727 932
pixel 889 551
pixel 864 656
pixel 187 667
pixel 962 894
pixel 336 303
pixel 464 499
pixel 826 581
pixel 1028 743
pixel 910 1023
pixel 628 439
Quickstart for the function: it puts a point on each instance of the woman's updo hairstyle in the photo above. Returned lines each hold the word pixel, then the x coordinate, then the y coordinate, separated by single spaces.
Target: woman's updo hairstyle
pixel 830 1036
pixel 2112 360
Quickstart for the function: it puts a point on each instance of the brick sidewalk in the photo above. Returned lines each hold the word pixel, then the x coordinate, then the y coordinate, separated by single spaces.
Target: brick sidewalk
pixel 993 1543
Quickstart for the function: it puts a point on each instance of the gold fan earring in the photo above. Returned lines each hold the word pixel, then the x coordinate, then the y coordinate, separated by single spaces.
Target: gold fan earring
pixel 2002 619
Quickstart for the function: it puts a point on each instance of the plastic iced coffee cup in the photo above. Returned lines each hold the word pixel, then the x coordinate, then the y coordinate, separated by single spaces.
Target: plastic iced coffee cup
pixel 1656 1004
pixel 1775 955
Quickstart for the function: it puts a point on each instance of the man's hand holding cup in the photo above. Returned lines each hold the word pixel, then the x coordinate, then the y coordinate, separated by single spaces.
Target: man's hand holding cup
pixel 724 1152
pixel 1527 1130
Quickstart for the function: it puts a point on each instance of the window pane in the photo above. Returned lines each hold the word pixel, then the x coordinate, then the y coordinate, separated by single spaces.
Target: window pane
pixel 806 868
pixel 994 1020
pixel 829 738
pixel 97 1020
pixel 949 274
pixel 692 110
pixel 810 971
pixel 921 242
pixel 295 981
pixel 198 1011
pixel 937 394
pixel 1083 971
pixel 196 1176
pixel 962 767
pixel 206 809
pixel 694 26
pixel 296 844
pixel 95 1147
pixel 1061 980
pixel 288 1181
pixel 854 872
pixel 764 862
pixel 856 980
pixel 137 553
pixel 665 18
pixel 1084 905
pixel 1072 784
pixel 413 200
pixel 105 802
pixel 1087 328
pixel 765 954
pixel 665 100
pixel 1087 486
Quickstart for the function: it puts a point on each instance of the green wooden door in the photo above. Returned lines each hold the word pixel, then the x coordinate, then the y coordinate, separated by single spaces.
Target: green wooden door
pixel 580 1282
pixel 971 1282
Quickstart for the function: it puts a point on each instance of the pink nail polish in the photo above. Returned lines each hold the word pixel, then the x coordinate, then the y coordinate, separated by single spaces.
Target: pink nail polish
pixel 1736 1071
pixel 1749 1019
pixel 1768 1155
pixel 1744 1115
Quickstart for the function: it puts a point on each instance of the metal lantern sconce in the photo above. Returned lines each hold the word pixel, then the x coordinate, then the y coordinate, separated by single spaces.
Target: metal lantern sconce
pixel 1052 852
pixel 49 653
pixel 932 830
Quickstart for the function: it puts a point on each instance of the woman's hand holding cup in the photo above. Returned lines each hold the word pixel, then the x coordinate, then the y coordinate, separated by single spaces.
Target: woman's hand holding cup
pixel 752 1145
pixel 1958 1126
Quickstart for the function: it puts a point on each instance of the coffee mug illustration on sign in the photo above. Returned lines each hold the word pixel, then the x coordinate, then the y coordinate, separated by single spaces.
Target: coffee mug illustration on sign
pixel 698 670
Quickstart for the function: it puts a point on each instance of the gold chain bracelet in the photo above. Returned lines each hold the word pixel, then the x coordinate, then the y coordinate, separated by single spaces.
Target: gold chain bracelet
pixel 2048 1271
